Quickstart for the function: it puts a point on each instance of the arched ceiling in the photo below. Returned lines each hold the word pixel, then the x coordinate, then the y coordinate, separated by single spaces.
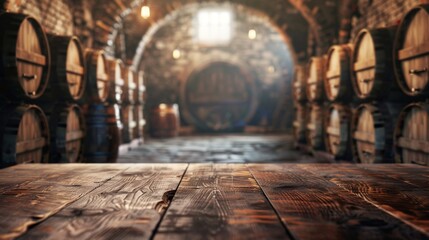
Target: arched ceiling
pixel 118 23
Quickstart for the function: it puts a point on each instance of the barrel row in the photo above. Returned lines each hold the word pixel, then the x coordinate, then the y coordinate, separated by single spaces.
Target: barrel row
pixel 368 133
pixel 383 64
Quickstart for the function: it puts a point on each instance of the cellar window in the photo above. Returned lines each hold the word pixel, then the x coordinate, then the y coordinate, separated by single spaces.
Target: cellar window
pixel 213 26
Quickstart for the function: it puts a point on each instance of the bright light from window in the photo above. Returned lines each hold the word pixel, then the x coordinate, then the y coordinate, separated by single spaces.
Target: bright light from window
pixel 214 26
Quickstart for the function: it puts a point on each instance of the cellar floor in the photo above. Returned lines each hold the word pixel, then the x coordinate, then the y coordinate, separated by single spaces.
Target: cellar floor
pixel 214 201
pixel 216 149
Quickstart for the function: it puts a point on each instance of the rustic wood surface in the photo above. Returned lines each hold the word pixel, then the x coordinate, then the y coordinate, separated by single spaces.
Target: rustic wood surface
pixel 214 201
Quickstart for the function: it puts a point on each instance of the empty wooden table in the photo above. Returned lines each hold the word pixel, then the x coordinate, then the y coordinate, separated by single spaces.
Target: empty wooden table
pixel 214 201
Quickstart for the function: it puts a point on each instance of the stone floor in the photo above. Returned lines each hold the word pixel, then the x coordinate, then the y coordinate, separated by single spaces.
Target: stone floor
pixel 216 149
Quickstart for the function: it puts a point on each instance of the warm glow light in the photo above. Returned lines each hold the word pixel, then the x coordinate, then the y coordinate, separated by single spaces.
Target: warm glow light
pixel 145 12
pixel 162 106
pixel 252 34
pixel 176 54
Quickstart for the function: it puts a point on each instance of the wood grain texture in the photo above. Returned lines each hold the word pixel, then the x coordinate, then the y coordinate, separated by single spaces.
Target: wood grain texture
pixel 314 208
pixel 220 201
pixel 408 203
pixel 129 206
pixel 34 201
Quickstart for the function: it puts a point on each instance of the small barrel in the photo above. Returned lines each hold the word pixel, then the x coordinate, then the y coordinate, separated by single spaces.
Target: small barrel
pixel 299 82
pixel 372 74
pixel 97 78
pixel 139 120
pixel 67 131
pixel 315 131
pixel 68 68
pixel 115 69
pixel 25 59
pixel 127 117
pixel 165 121
pixel 412 134
pixel 411 49
pixel 315 89
pixel 299 127
pixel 372 132
pixel 337 76
pixel 141 88
pixel 24 135
pixel 337 127
pixel 130 87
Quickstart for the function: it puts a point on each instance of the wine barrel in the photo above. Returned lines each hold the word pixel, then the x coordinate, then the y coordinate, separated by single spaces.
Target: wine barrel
pixel 139 120
pixel 412 134
pixel 127 117
pixel 25 59
pixel 299 127
pixel 164 121
pixel 411 49
pixel 219 97
pixel 130 87
pixel 68 68
pixel 337 127
pixel 299 81
pixel 67 131
pixel 97 79
pixel 141 89
pixel 102 141
pixel 315 89
pixel 372 74
pixel 115 69
pixel 337 80
pixel 24 135
pixel 315 132
pixel 372 132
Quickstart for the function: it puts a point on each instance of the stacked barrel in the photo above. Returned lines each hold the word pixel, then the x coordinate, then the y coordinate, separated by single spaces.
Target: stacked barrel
pixel 367 84
pixel 300 105
pixel 57 101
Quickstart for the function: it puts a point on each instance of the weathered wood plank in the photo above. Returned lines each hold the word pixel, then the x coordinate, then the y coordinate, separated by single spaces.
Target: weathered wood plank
pixel 129 206
pixel 408 203
pixel 220 201
pixel 32 202
pixel 314 208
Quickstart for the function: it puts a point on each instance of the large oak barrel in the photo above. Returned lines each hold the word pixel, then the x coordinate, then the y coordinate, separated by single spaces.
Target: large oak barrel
pixel 139 120
pixel 164 121
pixel 141 89
pixel 115 69
pixel 315 89
pixel 373 77
pixel 25 59
pixel 412 52
pixel 372 132
pixel 299 124
pixel 103 138
pixel 67 131
pixel 299 81
pixel 97 78
pixel 127 117
pixel 24 135
pixel 219 97
pixel 337 127
pixel 337 76
pixel 130 87
pixel 315 131
pixel 68 68
pixel 412 134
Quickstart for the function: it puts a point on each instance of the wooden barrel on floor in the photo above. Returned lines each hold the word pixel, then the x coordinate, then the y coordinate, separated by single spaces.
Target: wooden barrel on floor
pixel 299 81
pixel 315 89
pixel 141 89
pixel 299 127
pixel 337 127
pixel 372 132
pixel 115 69
pixel 373 77
pixel 337 76
pixel 127 117
pixel 412 134
pixel 412 52
pixel 67 131
pixel 315 131
pixel 25 59
pixel 68 68
pixel 130 87
pixel 164 121
pixel 97 78
pixel 24 135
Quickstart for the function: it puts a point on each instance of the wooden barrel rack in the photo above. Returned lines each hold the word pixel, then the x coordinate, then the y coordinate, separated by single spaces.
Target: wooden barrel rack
pixel 25 59
pixel 315 89
pixel 337 76
pixel 412 134
pixel 337 127
pixel 411 50
pixel 315 132
pixel 299 84
pixel 97 78
pixel 24 135
pixel 299 126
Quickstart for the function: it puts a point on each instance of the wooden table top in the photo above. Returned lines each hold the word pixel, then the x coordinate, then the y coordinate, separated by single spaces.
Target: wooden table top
pixel 214 201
